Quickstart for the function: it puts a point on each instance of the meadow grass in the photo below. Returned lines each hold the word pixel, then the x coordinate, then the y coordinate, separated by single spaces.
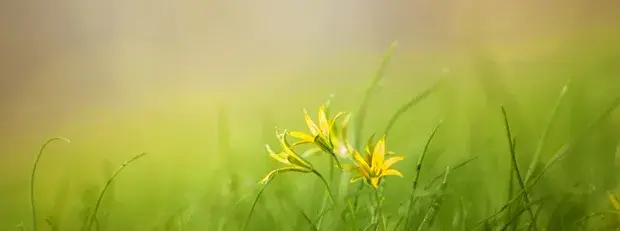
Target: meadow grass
pixel 464 135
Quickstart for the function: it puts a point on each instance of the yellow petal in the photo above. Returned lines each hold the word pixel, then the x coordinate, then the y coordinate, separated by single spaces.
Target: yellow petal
pixel 378 154
pixel 332 124
pixel 301 136
pixel 390 161
pixel 292 156
pixel 369 148
pixel 311 125
pixel 391 172
pixel 278 156
pixel 375 182
pixel 274 173
pixel 363 166
pixel 323 123
pixel 614 201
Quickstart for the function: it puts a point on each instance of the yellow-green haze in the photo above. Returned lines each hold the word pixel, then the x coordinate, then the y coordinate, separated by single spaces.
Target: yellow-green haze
pixel 201 85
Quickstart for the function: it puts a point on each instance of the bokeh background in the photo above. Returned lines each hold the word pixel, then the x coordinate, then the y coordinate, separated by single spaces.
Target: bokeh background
pixel 170 77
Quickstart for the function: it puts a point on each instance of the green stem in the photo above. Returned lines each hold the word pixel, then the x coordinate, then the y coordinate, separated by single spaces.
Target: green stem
pixel 329 195
pixel 247 220
pixel 418 170
pixel 515 167
pixel 32 175
pixel 377 214
pixel 543 137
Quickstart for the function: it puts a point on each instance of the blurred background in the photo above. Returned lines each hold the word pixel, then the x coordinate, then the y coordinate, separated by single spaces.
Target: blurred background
pixel 123 77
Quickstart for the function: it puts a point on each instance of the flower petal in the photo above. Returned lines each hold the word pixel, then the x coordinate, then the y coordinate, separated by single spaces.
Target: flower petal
pixel 301 136
pixel 275 172
pixel 378 154
pixel 281 157
pixel 293 157
pixel 391 172
pixel 374 181
pixel 363 166
pixel 369 147
pixel 311 125
pixel 390 161
pixel 323 123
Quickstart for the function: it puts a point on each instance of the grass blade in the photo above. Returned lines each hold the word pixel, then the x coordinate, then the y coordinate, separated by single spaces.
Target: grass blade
pixel 254 203
pixel 414 101
pixel 545 133
pixel 515 166
pixel 105 189
pixel 554 159
pixel 361 112
pixel 32 175
pixel 417 173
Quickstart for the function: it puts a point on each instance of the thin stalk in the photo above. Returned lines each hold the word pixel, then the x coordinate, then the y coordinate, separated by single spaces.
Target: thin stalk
pixel 543 137
pixel 377 214
pixel 310 223
pixel 515 166
pixel 441 174
pixel 105 189
pixel 405 107
pixel 331 179
pixel 435 203
pixel 254 203
pixel 361 112
pixel 511 181
pixel 417 172
pixel 32 179
pixel 555 158
pixel 329 194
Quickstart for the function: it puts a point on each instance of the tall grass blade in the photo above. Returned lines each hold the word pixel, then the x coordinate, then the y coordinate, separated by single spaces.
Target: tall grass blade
pixel 417 173
pixel 435 204
pixel 105 189
pixel 554 159
pixel 32 178
pixel 414 101
pixel 515 165
pixel 545 133
pixel 361 112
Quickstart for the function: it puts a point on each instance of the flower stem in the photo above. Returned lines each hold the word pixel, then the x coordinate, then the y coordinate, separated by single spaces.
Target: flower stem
pixel 329 195
pixel 247 220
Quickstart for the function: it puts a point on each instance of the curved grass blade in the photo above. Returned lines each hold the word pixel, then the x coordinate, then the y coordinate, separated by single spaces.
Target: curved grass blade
pixel 417 172
pixel 457 166
pixel 515 167
pixel 435 204
pixel 414 101
pixel 554 159
pixel 361 112
pixel 32 175
pixel 105 189
pixel 543 137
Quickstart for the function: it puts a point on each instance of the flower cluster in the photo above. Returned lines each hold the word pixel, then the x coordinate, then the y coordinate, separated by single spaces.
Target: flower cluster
pixel 329 136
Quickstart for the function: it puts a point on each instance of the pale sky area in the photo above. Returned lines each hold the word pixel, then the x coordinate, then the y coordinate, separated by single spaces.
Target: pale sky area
pixel 57 57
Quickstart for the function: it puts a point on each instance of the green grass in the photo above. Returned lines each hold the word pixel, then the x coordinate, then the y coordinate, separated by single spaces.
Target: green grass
pixel 206 156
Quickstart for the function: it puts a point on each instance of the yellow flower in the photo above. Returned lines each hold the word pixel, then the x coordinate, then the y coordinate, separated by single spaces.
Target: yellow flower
pixel 295 162
pixel 374 166
pixel 324 134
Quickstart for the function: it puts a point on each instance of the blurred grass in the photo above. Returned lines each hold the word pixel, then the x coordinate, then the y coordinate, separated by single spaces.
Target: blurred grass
pixel 186 178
